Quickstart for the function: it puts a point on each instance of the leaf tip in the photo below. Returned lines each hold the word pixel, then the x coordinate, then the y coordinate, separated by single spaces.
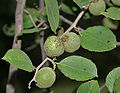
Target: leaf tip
pixel 3 58
pixel 96 75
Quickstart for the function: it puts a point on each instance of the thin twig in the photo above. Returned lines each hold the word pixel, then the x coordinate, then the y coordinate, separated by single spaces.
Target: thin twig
pixel 36 26
pixel 42 44
pixel 74 23
pixel 52 61
pixel 42 33
pixel 69 22
pixel 41 23
pixel 18 28
pixel 66 20
pixel 41 5
pixel 31 47
pixel 46 59
pixel 29 85
pixel 30 17
pixel 103 86
pixel 118 44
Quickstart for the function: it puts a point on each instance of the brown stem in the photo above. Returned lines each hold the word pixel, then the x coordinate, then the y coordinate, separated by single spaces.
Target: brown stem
pixel 18 22
pixel 42 33
pixel 118 44
pixel 42 45
pixel 69 22
pixel 16 44
pixel 31 47
pixel 38 67
pixel 41 5
pixel 74 23
pixel 29 85
pixel 103 86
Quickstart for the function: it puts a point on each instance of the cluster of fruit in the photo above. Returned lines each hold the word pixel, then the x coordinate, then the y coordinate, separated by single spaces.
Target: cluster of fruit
pixel 54 46
pixel 98 6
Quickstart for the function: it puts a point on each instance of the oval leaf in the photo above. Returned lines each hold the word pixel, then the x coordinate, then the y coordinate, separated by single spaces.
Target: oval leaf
pixel 117 86
pixel 52 13
pixel 111 78
pixel 81 3
pixel 19 59
pixel 52 91
pixel 98 39
pixel 67 9
pixel 27 23
pixel 78 68
pixel 89 87
pixel 108 3
pixel 113 13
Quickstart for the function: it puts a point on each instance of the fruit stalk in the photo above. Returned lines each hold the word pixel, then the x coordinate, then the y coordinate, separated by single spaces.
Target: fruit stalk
pixel 75 22
pixel 69 22
pixel 36 72
pixel 38 67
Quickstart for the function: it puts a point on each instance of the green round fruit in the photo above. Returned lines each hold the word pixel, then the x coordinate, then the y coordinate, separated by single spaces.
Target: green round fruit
pixel 9 31
pixel 53 46
pixel 97 7
pixel 112 24
pixel 71 42
pixel 116 2
pixel 45 77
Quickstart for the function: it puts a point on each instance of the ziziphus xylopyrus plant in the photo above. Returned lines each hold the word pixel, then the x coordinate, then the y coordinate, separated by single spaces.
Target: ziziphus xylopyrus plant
pixel 93 38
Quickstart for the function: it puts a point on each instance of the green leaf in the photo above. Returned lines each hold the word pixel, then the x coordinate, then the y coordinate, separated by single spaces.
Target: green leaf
pixel 67 9
pixel 89 87
pixel 9 31
pixel 111 24
pixel 29 31
pixel 52 91
pixel 86 16
pixel 81 3
pixel 37 38
pixel 74 8
pixel 98 39
pixel 111 79
pixel 108 3
pixel 19 59
pixel 117 85
pixel 52 13
pixel 78 68
pixel 27 23
pixel 113 13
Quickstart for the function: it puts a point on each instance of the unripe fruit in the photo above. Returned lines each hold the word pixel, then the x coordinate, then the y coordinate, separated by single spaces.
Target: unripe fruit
pixel 53 46
pixel 116 2
pixel 45 77
pixel 97 7
pixel 71 42
pixel 112 24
